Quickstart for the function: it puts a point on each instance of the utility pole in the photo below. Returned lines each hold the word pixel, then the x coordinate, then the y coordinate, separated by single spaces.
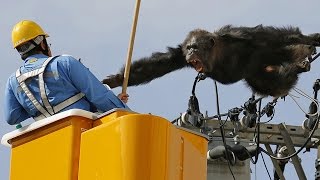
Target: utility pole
pixel 270 134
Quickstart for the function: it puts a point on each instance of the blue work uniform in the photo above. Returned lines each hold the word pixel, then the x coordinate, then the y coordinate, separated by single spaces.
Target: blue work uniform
pixel 64 77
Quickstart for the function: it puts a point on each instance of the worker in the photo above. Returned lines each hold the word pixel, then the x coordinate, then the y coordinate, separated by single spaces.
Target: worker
pixel 45 85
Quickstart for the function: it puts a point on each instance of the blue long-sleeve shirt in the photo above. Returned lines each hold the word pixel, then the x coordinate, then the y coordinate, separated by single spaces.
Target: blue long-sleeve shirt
pixel 64 77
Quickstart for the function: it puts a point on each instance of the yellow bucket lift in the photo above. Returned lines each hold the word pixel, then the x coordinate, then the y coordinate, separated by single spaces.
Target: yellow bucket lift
pixel 117 145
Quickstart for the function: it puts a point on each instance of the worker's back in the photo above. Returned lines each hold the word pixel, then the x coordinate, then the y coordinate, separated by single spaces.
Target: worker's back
pixel 64 78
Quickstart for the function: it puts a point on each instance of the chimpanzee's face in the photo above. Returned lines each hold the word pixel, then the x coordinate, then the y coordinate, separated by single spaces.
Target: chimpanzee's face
pixel 198 49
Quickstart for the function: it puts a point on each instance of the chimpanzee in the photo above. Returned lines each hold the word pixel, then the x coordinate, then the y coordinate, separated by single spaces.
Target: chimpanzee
pixel 267 58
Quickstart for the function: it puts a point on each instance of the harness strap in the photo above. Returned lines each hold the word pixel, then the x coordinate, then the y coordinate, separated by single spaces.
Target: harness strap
pixel 47 110
pixel 68 102
pixel 23 77
pixel 41 116
pixel 63 104
pixel 42 88
pixel 31 96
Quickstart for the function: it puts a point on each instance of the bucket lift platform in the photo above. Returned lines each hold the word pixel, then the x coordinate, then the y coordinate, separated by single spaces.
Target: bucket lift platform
pixel 118 145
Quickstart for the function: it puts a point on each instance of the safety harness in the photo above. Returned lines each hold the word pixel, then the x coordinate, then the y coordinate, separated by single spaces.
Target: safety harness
pixel 46 110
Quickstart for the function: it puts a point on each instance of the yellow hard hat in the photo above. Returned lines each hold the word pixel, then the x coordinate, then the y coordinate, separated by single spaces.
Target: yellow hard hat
pixel 24 31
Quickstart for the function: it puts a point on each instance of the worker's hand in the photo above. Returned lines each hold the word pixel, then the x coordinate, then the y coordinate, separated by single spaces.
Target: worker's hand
pixel 124 97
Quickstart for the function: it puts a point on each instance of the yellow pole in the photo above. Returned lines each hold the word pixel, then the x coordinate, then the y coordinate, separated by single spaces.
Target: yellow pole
pixel 131 43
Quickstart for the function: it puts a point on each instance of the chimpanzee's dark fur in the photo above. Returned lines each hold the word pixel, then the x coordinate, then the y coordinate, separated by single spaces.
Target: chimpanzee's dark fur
pixel 268 58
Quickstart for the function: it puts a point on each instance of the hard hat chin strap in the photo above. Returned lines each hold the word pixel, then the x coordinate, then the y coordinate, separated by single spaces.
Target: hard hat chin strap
pixel 26 47
pixel 46 50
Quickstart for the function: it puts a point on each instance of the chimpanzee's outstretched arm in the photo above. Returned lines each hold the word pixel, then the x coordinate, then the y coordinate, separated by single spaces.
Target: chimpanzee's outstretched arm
pixel 147 69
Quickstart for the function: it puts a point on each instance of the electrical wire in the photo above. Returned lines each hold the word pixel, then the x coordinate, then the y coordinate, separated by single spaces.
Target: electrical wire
pixel 265 122
pixel 225 121
pixel 258 133
pixel 310 135
pixel 298 104
pixel 258 129
pixel 299 91
pixel 222 129
pixel 265 166
pixel 300 149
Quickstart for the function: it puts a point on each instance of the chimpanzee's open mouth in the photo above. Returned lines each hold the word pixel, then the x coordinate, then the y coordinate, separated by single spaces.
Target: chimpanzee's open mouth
pixel 197 64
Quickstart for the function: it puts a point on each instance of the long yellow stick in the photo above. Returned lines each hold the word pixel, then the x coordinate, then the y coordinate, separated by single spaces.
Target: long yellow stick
pixel 131 43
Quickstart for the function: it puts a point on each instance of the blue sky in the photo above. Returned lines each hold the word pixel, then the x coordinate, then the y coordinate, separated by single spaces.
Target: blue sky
pixel 98 32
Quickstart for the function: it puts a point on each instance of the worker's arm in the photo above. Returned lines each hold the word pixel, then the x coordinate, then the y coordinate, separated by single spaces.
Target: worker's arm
pixel 104 99
pixel 13 111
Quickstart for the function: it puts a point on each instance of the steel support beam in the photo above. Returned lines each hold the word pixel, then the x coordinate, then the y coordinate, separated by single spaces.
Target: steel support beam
pixel 275 163
pixel 291 150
